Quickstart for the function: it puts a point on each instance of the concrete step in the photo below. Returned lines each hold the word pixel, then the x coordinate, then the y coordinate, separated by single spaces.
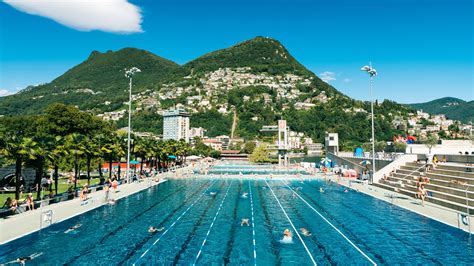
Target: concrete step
pixel 452 173
pixel 438 201
pixel 435 192
pixel 435 186
pixel 453 167
pixel 449 178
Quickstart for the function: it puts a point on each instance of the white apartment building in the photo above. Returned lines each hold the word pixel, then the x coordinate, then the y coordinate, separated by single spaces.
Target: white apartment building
pixel 176 124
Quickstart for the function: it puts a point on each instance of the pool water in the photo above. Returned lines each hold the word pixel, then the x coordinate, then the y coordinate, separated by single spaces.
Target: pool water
pixel 201 221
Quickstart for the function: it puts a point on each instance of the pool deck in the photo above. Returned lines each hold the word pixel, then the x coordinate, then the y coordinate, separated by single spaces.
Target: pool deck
pixel 432 211
pixel 22 224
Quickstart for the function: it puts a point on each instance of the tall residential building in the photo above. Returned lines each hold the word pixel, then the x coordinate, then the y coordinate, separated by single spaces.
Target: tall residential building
pixel 176 124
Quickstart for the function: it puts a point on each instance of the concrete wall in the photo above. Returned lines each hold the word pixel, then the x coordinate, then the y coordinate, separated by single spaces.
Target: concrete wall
pixel 353 162
pixel 446 147
pixel 402 160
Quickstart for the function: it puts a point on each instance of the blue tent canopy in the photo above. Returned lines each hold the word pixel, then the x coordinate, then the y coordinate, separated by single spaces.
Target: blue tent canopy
pixel 171 157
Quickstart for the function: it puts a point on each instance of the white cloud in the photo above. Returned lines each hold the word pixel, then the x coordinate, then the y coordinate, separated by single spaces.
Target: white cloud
pixel 118 16
pixel 4 92
pixel 327 76
pixel 346 80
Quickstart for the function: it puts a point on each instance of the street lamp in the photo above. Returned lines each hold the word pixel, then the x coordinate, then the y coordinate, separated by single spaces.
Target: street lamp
pixel 129 74
pixel 372 73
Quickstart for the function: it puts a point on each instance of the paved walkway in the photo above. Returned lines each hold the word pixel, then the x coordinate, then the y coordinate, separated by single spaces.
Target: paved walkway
pixel 28 222
pixel 432 211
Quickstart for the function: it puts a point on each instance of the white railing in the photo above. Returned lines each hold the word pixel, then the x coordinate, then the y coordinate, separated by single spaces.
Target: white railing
pixel 402 160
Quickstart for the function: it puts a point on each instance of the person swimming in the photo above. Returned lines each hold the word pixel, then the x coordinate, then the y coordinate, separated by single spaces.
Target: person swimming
pixel 305 232
pixel 244 221
pixel 212 193
pixel 153 229
pixel 346 190
pixel 245 195
pixel 111 202
pixel 70 229
pixel 23 260
pixel 287 236
pixel 321 190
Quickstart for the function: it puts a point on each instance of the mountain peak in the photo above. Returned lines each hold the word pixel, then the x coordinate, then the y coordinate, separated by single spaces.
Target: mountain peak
pixel 262 54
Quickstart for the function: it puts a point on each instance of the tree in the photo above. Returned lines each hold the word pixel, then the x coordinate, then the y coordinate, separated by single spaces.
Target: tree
pixel 20 149
pixel 56 151
pixel 75 146
pixel 249 147
pixel 400 146
pixel 430 141
pixel 260 154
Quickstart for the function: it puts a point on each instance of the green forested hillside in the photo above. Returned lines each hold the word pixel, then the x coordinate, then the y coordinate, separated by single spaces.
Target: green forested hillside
pixel 257 78
pixel 453 108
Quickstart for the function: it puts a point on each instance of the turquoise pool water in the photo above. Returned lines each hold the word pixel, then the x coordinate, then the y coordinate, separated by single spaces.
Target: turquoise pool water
pixel 200 227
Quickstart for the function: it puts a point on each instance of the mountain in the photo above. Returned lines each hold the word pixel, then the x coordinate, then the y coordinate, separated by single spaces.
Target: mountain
pixel 257 80
pixel 453 108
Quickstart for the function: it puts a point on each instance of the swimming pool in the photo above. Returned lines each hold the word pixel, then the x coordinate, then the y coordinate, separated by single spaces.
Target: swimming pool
pixel 347 228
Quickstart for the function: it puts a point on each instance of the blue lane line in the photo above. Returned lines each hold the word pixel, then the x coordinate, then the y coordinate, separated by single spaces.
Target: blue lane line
pixel 212 225
pixel 253 227
pixel 173 224
pixel 292 225
pixel 334 227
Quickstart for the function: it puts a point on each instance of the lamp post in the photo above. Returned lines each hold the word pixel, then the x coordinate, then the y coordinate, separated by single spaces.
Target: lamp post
pixel 129 74
pixel 372 73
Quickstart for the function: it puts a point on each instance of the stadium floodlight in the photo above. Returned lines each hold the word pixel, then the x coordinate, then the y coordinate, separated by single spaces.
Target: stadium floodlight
pixel 372 73
pixel 129 74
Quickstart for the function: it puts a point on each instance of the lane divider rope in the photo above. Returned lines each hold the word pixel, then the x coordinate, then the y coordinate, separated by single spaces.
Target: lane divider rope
pixel 212 225
pixel 253 227
pixel 292 225
pixel 173 224
pixel 334 227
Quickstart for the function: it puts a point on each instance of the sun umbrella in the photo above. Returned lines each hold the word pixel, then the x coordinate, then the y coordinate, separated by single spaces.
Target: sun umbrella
pixel 171 157
pixel 365 162
pixel 326 161
pixel 134 162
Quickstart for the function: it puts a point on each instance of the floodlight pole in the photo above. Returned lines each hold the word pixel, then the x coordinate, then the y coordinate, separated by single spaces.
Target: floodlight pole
pixel 373 127
pixel 129 74
pixel 129 128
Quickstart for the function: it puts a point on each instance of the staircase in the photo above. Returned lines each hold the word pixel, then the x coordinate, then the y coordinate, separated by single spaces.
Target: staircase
pixel 451 185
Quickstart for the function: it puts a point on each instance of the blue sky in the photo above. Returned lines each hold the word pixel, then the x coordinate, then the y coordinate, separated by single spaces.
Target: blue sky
pixel 422 49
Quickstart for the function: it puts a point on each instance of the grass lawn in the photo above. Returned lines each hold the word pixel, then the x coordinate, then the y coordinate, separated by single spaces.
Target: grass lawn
pixel 62 187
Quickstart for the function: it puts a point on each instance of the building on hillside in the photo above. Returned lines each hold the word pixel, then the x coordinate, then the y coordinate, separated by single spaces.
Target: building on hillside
pixel 213 143
pixel 176 124
pixel 332 142
pixel 224 139
pixel 197 132
pixel 314 148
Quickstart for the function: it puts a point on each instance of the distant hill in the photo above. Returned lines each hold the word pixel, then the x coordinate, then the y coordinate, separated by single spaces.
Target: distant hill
pixel 258 79
pixel 453 108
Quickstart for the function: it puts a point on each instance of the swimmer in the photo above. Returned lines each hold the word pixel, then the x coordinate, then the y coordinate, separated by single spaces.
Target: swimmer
pixel 153 229
pixel 305 232
pixel 212 193
pixel 244 195
pixel 23 260
pixel 111 202
pixel 72 228
pixel 287 236
pixel 244 221
pixel 346 190
pixel 321 190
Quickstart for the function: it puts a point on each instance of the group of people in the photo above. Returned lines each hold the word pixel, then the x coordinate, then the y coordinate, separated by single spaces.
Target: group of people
pixel 13 204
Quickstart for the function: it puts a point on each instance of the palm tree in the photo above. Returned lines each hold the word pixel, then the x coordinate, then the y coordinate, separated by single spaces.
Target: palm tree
pixel 56 151
pixel 75 147
pixel 20 149
pixel 91 150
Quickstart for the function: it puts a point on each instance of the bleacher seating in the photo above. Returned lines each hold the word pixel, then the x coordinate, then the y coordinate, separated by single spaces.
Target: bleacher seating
pixel 451 184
